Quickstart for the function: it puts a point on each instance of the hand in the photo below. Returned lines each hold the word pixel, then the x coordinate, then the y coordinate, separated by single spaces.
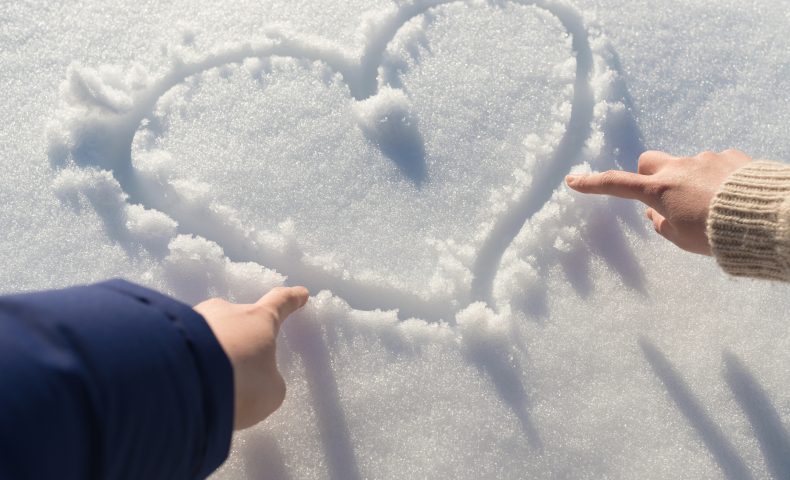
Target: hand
pixel 677 190
pixel 248 333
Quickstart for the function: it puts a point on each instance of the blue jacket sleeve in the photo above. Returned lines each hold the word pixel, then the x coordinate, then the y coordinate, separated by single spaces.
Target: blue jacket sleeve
pixel 110 381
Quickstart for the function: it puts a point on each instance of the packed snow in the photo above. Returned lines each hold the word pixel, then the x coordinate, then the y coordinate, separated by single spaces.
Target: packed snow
pixel 470 317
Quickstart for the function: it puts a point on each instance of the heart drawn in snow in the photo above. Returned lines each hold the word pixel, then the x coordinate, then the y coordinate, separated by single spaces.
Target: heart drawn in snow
pixel 104 140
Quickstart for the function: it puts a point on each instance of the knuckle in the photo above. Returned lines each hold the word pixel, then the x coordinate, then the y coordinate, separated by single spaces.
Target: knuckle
pixel 656 187
pixel 267 310
pixel 290 296
pixel 650 161
pixel 648 155
pixel 642 164
pixel 651 188
pixel 284 295
pixel 608 178
pixel 582 183
pixel 732 152
pixel 217 301
pixel 267 325
pixel 258 310
pixel 707 154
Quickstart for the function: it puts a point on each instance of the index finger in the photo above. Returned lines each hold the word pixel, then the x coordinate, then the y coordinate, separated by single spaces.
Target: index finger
pixel 285 300
pixel 614 182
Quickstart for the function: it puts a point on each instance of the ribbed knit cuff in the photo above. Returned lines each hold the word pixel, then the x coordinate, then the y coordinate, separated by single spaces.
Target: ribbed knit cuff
pixel 748 222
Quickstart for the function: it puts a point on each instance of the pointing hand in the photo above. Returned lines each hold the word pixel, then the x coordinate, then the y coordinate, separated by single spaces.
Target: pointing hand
pixel 248 334
pixel 677 190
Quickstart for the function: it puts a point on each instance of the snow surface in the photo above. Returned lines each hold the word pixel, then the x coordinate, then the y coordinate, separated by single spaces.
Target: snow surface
pixel 393 154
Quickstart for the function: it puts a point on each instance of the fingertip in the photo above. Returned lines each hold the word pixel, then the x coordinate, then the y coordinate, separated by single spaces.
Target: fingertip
pixel 285 300
pixel 302 294
pixel 293 299
pixel 659 154
pixel 649 214
pixel 575 181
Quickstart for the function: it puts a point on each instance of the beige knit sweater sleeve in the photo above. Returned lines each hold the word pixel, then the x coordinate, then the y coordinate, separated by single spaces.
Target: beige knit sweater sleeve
pixel 749 222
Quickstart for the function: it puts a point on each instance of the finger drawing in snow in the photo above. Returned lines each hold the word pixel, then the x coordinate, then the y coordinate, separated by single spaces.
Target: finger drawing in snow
pixel 119 121
pixel 471 316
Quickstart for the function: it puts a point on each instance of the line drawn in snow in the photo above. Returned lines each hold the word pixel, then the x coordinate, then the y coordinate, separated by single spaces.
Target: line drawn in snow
pixel 103 116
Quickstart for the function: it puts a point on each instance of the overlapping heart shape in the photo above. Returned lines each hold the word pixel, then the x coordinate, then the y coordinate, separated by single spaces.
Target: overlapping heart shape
pixel 104 111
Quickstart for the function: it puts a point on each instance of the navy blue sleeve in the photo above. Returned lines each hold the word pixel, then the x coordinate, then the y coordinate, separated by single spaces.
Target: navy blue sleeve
pixel 110 381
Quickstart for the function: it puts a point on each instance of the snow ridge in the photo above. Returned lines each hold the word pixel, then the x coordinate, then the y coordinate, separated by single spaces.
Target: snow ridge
pixel 104 108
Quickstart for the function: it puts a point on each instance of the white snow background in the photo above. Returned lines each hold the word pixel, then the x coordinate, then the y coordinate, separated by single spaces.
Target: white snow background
pixel 388 156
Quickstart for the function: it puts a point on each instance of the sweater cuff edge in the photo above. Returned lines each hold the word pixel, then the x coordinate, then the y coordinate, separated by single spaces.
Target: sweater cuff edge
pixel 734 233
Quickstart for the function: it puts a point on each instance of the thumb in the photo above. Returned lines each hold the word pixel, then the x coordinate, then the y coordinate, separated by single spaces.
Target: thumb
pixel 285 300
pixel 661 225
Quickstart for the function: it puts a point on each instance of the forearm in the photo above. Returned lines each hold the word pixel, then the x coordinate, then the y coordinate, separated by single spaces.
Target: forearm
pixel 749 222
pixel 110 381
